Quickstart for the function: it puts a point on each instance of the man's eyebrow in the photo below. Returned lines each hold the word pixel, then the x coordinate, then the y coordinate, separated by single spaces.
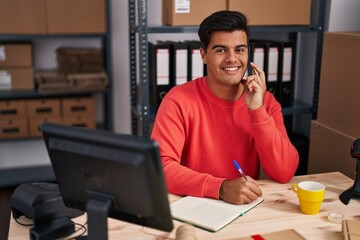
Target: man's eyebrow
pixel 222 46
pixel 218 46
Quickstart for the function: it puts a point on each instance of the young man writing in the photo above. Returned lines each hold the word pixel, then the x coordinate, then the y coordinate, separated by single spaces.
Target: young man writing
pixel 205 124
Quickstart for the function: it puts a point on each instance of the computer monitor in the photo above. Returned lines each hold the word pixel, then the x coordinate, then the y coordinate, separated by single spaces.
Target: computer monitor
pixel 109 175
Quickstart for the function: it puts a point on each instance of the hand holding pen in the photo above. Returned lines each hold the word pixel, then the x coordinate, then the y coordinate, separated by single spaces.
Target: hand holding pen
pixel 237 191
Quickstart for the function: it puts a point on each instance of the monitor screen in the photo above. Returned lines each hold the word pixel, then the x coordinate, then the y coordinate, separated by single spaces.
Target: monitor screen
pixel 95 168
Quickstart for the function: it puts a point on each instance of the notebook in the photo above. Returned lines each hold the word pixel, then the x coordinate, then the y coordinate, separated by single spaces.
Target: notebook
pixel 209 214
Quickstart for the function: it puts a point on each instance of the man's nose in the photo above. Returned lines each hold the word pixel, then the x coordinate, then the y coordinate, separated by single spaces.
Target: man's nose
pixel 231 56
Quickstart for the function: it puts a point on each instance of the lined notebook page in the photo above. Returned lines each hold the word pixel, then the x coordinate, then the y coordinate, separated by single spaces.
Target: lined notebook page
pixel 207 213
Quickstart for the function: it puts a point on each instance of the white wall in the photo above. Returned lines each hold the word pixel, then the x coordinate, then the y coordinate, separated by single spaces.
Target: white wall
pixel 121 81
pixel 344 15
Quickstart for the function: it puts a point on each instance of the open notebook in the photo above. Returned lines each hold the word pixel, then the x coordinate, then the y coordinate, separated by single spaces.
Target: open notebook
pixel 207 213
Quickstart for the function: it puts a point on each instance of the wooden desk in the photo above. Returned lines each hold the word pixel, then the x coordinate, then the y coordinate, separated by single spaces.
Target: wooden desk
pixel 279 211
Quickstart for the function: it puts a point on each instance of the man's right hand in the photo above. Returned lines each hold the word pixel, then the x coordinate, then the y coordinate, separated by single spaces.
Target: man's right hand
pixel 239 191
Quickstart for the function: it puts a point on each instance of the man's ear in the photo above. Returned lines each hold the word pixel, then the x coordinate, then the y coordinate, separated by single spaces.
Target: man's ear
pixel 203 55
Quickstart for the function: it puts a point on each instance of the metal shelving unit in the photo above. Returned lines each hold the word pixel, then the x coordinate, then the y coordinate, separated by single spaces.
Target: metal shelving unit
pixel 139 82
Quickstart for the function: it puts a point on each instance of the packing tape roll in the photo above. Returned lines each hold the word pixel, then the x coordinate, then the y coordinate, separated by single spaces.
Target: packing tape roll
pixel 185 232
pixel 335 217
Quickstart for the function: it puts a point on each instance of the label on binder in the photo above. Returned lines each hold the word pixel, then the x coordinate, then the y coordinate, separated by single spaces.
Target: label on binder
pixel 286 74
pixel 162 67
pixel 273 64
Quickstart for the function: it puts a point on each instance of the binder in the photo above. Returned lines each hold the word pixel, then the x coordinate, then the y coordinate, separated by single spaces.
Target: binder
pixel 272 68
pixel 286 93
pixel 257 53
pixel 159 72
pixel 196 68
pixel 179 62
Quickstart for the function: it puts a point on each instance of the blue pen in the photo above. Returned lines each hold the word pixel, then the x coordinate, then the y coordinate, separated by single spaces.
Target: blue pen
pixel 239 169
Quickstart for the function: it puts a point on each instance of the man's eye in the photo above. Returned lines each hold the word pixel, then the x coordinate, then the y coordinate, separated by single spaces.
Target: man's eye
pixel 220 50
pixel 241 50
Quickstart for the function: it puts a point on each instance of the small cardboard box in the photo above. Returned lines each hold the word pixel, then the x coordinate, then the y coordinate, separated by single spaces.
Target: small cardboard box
pixel 330 151
pixel 35 123
pixel 81 16
pixel 13 128
pixel 351 229
pixel 12 109
pixel 16 78
pixel 15 55
pixel 46 107
pixel 80 106
pixel 22 17
pixel 274 12
pixel 189 12
pixel 339 82
pixel 80 121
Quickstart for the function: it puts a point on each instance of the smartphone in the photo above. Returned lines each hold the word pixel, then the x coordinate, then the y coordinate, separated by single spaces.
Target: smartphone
pixel 249 72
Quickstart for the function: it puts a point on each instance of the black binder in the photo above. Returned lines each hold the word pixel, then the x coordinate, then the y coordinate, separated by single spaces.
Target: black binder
pixel 257 53
pixel 272 68
pixel 178 62
pixel 160 74
pixel 286 94
pixel 196 68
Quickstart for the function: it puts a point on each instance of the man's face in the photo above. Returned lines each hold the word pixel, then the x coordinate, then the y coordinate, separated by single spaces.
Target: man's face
pixel 226 57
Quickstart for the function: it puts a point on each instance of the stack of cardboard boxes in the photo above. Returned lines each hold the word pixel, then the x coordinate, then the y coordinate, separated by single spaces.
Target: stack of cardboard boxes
pixel 22 118
pixel 13 121
pixel 258 12
pixel 79 111
pixel 338 120
pixel 80 69
pixel 16 71
pixel 40 111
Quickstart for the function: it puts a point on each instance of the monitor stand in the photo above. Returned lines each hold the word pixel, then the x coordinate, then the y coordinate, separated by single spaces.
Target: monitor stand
pixel 97 209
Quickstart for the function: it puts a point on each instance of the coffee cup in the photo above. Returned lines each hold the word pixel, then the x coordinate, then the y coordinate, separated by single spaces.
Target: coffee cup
pixel 310 195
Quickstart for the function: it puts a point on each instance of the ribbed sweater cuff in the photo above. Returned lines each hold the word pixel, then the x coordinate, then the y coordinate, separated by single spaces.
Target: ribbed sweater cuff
pixel 258 115
pixel 212 187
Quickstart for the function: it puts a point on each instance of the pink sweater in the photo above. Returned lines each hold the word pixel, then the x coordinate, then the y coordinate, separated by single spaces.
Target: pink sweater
pixel 200 135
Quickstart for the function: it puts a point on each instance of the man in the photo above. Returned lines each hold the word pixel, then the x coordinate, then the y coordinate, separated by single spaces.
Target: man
pixel 203 125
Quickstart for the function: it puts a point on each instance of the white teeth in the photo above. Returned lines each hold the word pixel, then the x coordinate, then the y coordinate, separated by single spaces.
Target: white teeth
pixel 230 68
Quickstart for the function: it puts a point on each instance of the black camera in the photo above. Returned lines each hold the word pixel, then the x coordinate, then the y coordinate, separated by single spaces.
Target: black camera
pixel 354 191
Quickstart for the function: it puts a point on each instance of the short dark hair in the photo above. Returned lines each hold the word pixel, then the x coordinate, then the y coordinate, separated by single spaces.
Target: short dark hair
pixel 221 21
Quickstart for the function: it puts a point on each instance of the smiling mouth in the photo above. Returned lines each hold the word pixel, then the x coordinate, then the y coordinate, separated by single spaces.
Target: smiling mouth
pixel 230 69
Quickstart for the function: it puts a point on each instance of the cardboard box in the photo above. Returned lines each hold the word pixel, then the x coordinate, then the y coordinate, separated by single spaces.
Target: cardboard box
pixel 351 229
pixel 80 106
pixel 274 12
pixel 339 82
pixel 189 12
pixel 80 121
pixel 16 78
pixel 13 128
pixel 46 107
pixel 330 151
pixel 15 55
pixel 22 17
pixel 80 16
pixel 34 124
pixel 12 109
